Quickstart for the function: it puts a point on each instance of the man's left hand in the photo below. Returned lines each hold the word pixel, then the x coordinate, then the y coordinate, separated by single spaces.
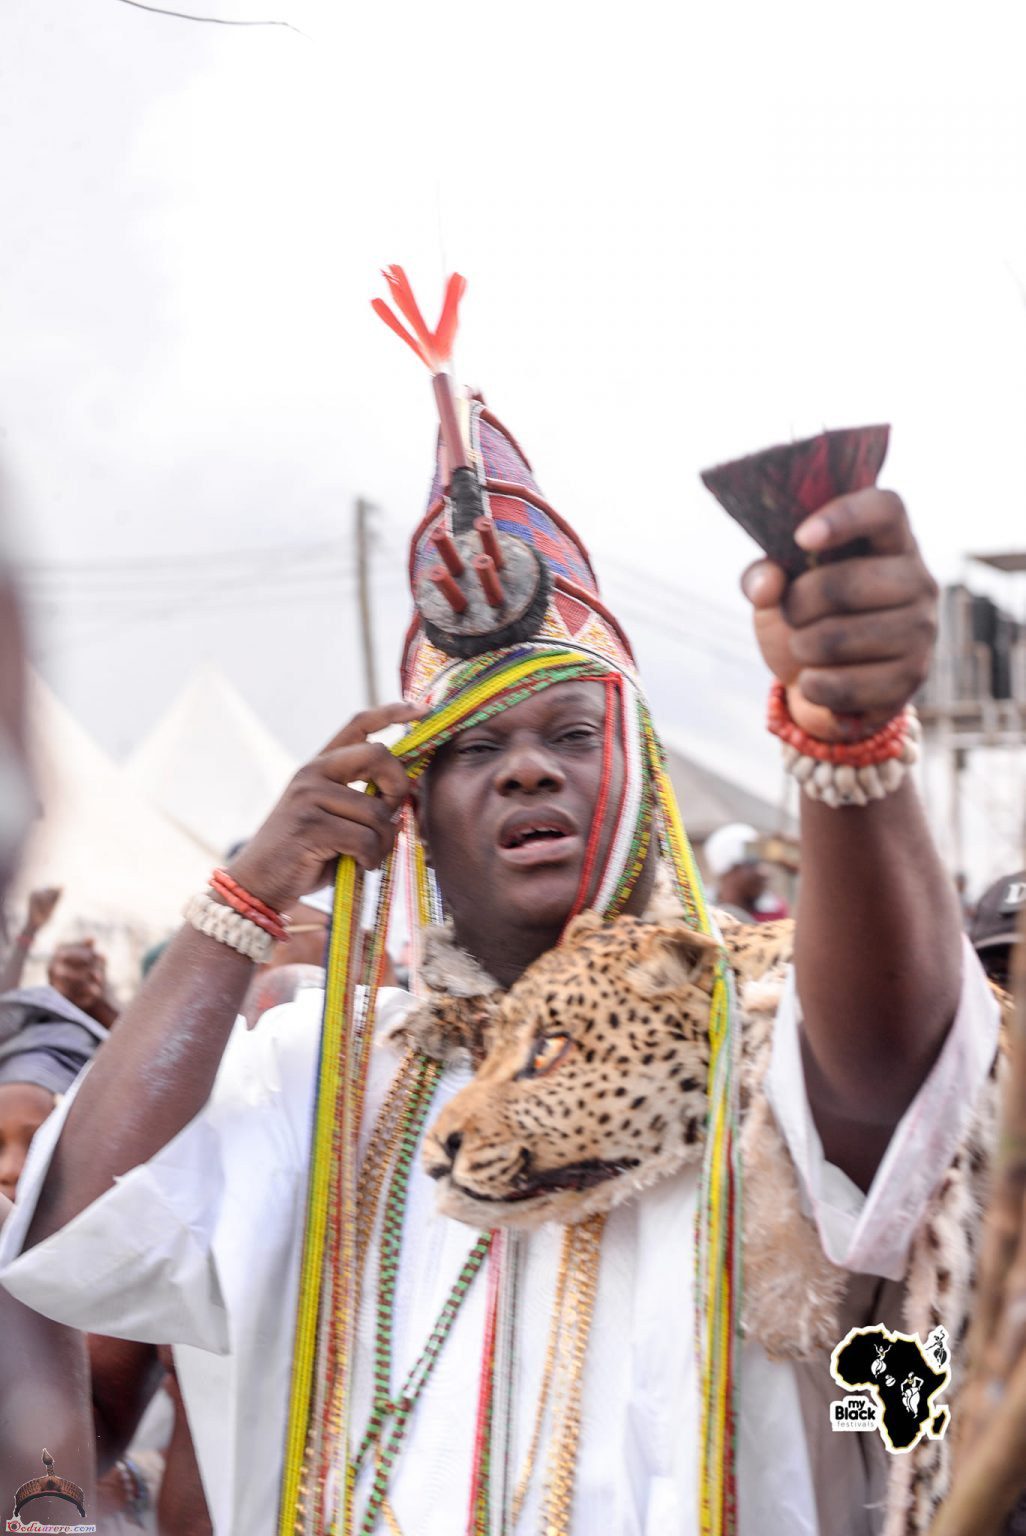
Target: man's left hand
pixel 852 638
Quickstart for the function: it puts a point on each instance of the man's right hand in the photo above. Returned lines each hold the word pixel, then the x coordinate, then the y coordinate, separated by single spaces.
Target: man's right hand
pixel 320 816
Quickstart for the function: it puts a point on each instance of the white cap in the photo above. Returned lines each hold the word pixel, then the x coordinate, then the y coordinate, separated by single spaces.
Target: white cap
pixel 736 843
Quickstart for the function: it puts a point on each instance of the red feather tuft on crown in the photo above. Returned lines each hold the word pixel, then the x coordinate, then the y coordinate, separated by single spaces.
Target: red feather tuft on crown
pixel 434 348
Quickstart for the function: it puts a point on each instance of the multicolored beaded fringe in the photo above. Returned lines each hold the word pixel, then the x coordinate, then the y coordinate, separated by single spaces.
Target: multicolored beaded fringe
pixel 320 1404
pixel 718 1276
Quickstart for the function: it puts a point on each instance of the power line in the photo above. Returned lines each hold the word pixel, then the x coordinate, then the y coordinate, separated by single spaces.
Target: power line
pixel 704 644
pixel 677 594
pixel 334 580
pixel 140 609
pixel 68 587
pixel 675 624
pixel 76 595
pixel 190 558
pixel 216 21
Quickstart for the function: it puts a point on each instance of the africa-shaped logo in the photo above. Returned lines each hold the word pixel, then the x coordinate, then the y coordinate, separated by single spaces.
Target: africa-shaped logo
pixel 904 1378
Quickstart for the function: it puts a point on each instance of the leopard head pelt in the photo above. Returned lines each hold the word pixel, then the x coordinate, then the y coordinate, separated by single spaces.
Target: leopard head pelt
pixel 594 1081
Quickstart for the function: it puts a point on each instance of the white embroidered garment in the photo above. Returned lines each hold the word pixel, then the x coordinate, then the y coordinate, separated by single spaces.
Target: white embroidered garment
pixel 200 1248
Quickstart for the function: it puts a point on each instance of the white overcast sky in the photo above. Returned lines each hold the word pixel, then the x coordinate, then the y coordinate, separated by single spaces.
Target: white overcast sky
pixel 689 231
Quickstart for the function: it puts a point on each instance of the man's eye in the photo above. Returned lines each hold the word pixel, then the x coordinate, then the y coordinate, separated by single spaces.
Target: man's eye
pixel 579 733
pixel 474 748
pixel 546 1053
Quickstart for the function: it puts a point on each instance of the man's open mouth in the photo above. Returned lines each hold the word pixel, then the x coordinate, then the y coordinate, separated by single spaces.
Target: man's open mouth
pixel 538 837
pixel 576 1176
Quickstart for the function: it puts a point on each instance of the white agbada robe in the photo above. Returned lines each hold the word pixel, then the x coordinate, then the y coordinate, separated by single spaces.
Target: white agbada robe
pixel 200 1248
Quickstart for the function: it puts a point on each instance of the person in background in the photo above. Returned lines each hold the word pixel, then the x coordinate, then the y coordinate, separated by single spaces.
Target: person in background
pixel 78 971
pixel 44 1372
pixel 47 1035
pixel 740 876
pixel 996 928
pixel 965 901
pixel 41 905
pixel 46 1040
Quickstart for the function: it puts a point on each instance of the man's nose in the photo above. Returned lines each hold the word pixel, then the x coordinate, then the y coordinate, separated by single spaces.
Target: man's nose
pixel 529 768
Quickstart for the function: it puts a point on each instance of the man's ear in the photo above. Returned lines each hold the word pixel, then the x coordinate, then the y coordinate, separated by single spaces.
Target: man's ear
pixel 671 957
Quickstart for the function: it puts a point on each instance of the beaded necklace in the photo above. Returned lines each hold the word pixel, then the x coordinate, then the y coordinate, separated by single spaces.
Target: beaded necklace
pixel 401 1410
pixel 393 1145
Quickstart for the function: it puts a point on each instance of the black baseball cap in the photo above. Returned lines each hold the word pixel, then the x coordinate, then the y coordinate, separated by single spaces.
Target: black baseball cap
pixel 998 912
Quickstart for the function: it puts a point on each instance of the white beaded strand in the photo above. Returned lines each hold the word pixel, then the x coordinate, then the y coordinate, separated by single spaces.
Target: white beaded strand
pixel 219 922
pixel 842 784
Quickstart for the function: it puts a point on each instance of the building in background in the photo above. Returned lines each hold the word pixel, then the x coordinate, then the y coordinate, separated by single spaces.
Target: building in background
pixel 973 709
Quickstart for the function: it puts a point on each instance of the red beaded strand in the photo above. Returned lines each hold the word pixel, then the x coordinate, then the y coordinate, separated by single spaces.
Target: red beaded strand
pixel 884 744
pixel 480 1491
pixel 249 906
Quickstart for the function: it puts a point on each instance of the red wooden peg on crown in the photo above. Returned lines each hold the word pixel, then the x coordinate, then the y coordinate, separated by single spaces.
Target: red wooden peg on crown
pixel 489 537
pixel 449 587
pixel 488 576
pixel 450 555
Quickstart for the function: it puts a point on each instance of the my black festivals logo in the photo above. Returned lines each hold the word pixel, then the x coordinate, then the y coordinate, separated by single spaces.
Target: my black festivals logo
pixel 904 1378
pixel 47 1487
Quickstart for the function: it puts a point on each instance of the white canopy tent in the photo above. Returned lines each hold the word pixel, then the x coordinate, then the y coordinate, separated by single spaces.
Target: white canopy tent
pixel 210 764
pixel 125 870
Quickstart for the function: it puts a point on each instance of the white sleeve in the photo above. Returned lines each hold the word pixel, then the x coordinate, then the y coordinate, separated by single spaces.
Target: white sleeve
pixel 870 1233
pixel 140 1262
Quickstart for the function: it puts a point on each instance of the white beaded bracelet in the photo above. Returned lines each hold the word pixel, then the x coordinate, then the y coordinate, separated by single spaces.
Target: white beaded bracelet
pixel 837 784
pixel 219 922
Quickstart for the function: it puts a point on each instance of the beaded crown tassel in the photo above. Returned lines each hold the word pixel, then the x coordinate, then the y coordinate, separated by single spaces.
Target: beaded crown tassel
pixel 507 604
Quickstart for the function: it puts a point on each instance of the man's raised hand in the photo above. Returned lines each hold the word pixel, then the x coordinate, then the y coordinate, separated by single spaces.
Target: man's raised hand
pixel 41 906
pixel 321 816
pixel 853 638
pixel 78 971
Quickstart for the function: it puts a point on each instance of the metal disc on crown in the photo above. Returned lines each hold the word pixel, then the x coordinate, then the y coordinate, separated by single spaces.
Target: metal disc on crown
pixel 487 589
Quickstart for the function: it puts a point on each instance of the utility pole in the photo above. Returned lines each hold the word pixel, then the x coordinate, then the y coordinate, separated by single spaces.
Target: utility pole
pixel 363 512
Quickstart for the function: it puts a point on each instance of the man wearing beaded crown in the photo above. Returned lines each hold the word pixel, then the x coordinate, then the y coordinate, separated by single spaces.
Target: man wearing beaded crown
pixel 355 1361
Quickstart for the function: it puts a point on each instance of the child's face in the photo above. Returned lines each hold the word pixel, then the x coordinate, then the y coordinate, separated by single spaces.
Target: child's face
pixel 23 1108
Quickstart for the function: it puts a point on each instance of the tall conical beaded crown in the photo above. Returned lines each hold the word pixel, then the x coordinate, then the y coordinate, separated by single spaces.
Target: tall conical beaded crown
pixel 492 563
